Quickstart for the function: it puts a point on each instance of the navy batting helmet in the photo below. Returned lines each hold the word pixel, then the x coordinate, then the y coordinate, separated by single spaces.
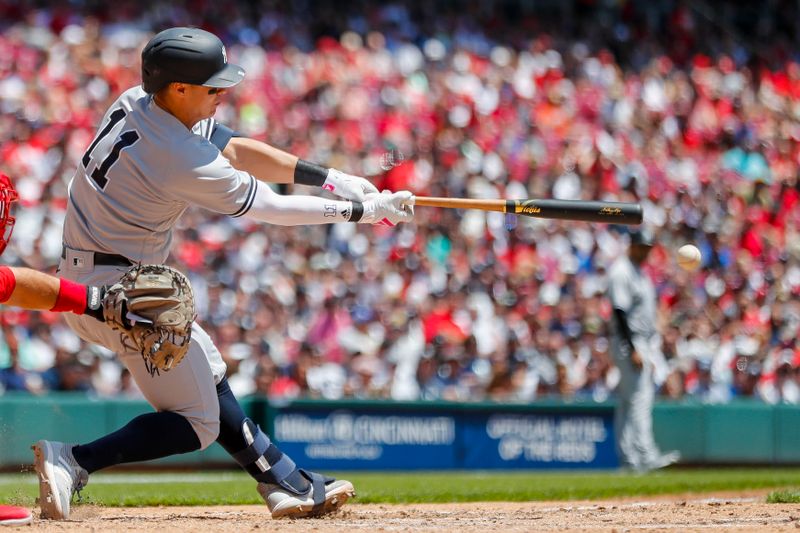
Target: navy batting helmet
pixel 187 55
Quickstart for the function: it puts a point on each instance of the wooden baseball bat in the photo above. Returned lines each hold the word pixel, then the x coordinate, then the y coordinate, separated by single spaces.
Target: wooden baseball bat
pixel 588 211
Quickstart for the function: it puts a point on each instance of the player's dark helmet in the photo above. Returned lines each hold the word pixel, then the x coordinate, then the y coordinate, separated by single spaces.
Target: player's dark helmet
pixel 187 55
pixel 7 195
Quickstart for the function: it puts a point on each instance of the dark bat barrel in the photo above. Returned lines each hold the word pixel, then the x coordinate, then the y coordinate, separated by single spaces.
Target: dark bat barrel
pixel 608 212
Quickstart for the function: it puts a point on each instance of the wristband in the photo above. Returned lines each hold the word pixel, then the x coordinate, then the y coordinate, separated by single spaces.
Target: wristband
pixel 8 283
pixel 307 173
pixel 71 297
pixel 357 212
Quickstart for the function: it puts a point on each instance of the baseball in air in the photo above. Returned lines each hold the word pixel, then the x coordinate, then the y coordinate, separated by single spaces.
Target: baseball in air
pixel 689 257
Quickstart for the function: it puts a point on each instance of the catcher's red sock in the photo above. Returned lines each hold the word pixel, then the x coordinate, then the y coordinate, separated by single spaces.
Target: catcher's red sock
pixel 72 296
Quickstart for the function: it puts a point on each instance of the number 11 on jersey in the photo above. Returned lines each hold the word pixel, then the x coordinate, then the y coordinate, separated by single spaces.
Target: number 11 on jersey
pixel 125 139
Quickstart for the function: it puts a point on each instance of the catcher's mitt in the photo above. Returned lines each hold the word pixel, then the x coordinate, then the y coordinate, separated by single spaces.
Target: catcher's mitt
pixel 153 308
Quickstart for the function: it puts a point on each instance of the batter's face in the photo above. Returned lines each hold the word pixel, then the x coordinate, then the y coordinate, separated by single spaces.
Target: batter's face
pixel 203 100
pixel 190 103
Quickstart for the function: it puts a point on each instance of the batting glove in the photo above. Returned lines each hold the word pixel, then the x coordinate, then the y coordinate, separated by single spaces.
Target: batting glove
pixel 388 208
pixel 347 186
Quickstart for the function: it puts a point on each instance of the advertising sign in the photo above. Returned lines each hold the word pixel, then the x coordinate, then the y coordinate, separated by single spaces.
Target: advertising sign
pixel 349 439
pixel 538 441
pixel 369 440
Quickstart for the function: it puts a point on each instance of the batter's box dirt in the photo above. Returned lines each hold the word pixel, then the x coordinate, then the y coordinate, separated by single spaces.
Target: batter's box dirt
pixel 722 512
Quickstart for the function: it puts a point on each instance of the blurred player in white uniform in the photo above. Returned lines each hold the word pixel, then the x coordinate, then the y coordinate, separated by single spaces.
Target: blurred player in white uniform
pixel 157 152
pixel 635 346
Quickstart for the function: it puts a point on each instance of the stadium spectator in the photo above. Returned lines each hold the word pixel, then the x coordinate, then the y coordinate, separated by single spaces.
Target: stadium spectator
pixel 630 101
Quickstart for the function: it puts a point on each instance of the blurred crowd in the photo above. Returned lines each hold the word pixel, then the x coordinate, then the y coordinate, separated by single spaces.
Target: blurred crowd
pixel 690 110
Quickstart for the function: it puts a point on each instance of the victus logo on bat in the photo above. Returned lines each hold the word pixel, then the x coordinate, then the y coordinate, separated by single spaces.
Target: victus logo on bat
pixel 527 208
pixel 613 211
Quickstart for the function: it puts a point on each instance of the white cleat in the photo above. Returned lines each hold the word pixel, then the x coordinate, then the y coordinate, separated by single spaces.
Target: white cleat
pixel 666 459
pixel 660 461
pixel 60 476
pixel 285 504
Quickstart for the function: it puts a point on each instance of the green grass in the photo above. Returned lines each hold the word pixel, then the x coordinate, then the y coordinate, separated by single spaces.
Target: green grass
pixel 227 488
pixel 784 496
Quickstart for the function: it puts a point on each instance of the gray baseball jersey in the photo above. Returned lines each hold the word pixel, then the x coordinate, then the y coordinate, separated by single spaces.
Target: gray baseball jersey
pixel 632 291
pixel 140 173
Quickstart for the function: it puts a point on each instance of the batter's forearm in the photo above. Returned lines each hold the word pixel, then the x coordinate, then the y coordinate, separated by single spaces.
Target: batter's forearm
pixel 266 163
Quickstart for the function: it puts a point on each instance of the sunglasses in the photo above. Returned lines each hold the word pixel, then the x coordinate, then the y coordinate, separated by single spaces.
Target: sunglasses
pixel 215 90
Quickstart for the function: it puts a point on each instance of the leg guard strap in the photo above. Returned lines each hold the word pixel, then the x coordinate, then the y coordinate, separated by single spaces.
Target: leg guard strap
pixel 318 484
pixel 258 449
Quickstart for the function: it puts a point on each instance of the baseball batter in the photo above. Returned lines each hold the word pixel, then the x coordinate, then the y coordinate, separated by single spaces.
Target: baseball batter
pixel 635 344
pixel 156 152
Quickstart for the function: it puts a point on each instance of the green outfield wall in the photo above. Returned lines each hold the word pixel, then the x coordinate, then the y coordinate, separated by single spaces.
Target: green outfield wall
pixel 741 432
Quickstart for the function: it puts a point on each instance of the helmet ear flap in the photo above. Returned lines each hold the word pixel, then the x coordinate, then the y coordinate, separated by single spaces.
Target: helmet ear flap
pixel 150 80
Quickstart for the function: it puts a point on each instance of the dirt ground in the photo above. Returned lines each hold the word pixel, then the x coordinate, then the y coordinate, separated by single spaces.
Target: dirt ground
pixel 721 512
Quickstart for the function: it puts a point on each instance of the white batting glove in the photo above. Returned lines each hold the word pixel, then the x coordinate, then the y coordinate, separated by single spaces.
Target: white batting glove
pixel 388 208
pixel 347 186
